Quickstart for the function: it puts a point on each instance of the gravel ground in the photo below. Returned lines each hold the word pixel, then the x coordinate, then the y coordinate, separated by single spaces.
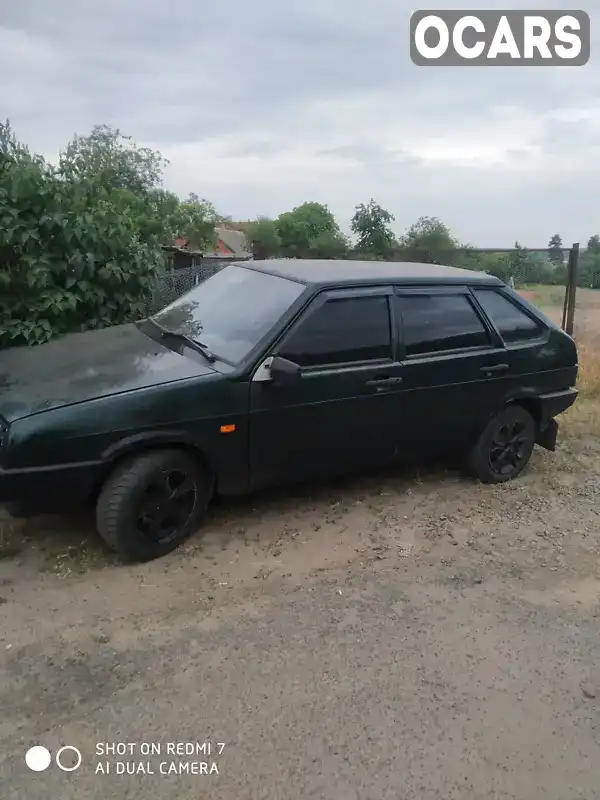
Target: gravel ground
pixel 400 635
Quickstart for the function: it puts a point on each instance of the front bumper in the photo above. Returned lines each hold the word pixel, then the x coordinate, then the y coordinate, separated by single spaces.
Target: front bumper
pixel 47 490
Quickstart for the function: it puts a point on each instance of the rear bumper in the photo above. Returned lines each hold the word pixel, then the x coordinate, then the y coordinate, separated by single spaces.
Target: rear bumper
pixel 55 489
pixel 552 405
pixel 555 403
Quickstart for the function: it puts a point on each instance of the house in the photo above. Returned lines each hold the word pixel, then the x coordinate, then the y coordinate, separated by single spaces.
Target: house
pixel 230 244
pixel 180 256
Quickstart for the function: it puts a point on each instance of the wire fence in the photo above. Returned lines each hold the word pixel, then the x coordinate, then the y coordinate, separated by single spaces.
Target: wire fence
pixel 171 285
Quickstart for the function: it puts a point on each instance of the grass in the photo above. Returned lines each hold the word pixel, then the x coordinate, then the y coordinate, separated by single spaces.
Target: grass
pixel 544 297
pixel 583 419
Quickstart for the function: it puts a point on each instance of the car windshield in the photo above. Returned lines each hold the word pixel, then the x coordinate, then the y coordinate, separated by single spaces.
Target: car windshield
pixel 230 312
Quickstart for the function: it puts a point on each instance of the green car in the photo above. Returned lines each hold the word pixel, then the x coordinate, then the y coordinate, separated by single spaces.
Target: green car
pixel 278 371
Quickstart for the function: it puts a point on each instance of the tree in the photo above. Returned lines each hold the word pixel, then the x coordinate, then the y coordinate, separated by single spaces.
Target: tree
pixel 111 164
pixel 589 265
pixel 371 226
pixel 112 160
pixel 329 244
pixel 593 245
pixel 80 243
pixel 526 267
pixel 263 237
pixel 497 264
pixel 193 219
pixel 308 229
pixel 555 249
pixel 559 275
pixel 430 241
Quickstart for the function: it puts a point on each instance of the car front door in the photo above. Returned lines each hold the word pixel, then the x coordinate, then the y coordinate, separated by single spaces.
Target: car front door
pixel 455 368
pixel 340 413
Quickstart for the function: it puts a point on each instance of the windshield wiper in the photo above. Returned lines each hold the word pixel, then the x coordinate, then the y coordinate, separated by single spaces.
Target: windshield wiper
pixel 183 337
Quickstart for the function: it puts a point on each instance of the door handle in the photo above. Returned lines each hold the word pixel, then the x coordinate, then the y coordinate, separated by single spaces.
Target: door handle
pixel 382 382
pixel 494 369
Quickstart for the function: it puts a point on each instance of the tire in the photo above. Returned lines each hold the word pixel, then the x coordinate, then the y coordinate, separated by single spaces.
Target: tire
pixel 504 448
pixel 152 503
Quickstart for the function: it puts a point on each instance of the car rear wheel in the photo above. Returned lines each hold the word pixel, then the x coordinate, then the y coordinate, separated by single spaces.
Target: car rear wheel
pixel 505 446
pixel 152 503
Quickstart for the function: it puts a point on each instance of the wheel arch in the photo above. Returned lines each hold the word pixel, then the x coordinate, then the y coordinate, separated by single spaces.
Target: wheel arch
pixel 133 446
pixel 530 403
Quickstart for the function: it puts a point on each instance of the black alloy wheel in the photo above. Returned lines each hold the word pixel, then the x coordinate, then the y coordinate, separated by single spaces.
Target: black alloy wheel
pixel 152 503
pixel 505 446
pixel 166 504
pixel 510 448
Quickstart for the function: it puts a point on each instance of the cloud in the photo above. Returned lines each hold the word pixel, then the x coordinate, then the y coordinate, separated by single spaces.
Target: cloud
pixel 259 106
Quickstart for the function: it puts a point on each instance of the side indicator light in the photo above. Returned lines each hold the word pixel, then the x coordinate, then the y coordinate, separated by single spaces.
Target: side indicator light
pixel 227 428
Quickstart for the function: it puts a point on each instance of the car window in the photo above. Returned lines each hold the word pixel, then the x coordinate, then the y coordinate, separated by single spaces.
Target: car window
pixel 512 323
pixel 340 331
pixel 231 311
pixel 436 323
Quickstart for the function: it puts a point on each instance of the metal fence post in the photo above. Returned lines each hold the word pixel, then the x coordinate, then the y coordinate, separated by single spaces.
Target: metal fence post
pixel 570 294
pixel 567 289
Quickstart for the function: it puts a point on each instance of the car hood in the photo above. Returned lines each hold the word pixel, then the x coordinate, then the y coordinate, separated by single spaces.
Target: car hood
pixel 84 366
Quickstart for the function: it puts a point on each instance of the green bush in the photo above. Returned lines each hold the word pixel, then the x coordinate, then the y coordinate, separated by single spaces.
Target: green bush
pixel 78 248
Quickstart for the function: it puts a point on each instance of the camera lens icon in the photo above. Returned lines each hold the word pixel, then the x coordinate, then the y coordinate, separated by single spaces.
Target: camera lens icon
pixel 68 749
pixel 38 758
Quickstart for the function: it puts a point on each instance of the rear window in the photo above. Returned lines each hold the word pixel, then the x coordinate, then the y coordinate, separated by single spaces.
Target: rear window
pixel 513 324
pixel 436 323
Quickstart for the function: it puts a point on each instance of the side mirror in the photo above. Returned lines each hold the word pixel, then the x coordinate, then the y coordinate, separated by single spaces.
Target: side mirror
pixel 283 371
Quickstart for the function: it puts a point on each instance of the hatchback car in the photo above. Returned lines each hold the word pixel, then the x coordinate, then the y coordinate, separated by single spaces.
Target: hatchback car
pixel 278 371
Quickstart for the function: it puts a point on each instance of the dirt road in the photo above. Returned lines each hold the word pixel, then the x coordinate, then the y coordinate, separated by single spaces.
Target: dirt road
pixel 397 636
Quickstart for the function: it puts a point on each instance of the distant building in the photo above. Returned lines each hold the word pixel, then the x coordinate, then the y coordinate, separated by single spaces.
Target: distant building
pixel 230 244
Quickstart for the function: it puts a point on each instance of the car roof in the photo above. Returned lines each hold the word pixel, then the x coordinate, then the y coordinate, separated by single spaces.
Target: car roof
pixel 322 272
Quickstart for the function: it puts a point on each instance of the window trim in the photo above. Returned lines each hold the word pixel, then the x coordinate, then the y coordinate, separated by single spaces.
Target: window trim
pixel 319 300
pixel 495 342
pixel 544 331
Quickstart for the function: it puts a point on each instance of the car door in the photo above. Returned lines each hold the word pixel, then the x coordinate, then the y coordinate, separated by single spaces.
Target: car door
pixel 531 357
pixel 340 414
pixel 454 368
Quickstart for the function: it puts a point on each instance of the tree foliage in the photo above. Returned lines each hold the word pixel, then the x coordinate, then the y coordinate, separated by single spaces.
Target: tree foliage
pixel 310 231
pixel 430 241
pixel 307 231
pixel 113 160
pixel 589 267
pixel 80 242
pixel 555 251
pixel 264 238
pixel 371 224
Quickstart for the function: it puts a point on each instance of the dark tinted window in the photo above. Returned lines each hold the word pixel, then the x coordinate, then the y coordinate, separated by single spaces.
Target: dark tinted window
pixel 231 311
pixel 345 330
pixel 514 325
pixel 434 323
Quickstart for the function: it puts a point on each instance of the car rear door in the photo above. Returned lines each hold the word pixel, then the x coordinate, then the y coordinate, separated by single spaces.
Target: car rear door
pixel 454 368
pixel 341 413
pixel 535 358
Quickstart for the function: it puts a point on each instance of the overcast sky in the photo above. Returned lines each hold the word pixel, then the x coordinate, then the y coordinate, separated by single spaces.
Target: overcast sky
pixel 262 105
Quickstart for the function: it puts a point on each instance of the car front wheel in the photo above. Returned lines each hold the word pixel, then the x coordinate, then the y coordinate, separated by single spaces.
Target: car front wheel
pixel 152 503
pixel 505 446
